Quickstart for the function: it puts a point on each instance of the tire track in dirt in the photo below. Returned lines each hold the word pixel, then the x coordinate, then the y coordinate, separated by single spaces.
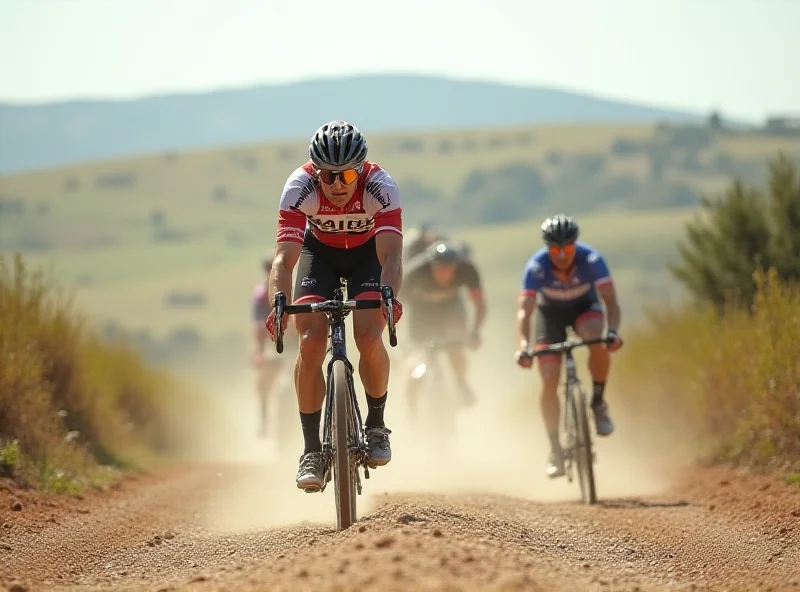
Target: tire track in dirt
pixel 716 530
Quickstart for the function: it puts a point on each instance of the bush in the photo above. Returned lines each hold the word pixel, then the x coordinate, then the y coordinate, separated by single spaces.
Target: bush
pixel 70 401
pixel 743 231
pixel 732 378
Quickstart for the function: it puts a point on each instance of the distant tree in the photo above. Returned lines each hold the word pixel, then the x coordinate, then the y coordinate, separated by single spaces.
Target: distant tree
pixel 784 192
pixel 741 232
pixel 445 146
pixel 157 218
pixel 410 145
pixel 513 192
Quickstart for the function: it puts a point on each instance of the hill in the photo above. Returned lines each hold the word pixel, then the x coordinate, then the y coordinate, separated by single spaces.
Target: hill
pixel 37 136
pixel 168 244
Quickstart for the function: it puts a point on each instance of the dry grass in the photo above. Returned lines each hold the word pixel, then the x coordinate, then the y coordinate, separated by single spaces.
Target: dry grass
pixel 732 380
pixel 71 404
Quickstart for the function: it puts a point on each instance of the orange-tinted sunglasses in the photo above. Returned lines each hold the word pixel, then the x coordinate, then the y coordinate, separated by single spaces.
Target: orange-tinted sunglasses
pixel 568 250
pixel 347 176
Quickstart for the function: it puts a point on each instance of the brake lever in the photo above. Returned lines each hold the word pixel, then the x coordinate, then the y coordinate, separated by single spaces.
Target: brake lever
pixel 388 299
pixel 279 304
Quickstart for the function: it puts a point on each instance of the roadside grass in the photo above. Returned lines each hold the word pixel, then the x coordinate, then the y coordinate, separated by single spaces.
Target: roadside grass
pixel 75 410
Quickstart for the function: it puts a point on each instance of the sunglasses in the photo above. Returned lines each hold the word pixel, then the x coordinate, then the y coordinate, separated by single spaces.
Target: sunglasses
pixel 567 250
pixel 346 176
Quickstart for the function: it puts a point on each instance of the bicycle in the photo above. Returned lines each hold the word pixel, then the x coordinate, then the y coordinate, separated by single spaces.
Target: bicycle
pixel 433 391
pixel 344 443
pixel 576 419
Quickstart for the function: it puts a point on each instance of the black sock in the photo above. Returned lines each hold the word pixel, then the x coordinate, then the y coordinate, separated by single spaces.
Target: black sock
pixel 311 423
pixel 597 396
pixel 555 444
pixel 375 413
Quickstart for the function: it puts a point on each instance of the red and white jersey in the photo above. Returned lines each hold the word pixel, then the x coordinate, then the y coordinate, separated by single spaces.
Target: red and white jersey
pixel 373 209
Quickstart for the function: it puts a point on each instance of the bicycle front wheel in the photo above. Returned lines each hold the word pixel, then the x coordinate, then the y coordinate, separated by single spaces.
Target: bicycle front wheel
pixel 583 447
pixel 343 432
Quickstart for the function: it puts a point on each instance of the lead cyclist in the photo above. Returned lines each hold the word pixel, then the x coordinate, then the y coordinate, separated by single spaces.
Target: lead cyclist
pixel 339 217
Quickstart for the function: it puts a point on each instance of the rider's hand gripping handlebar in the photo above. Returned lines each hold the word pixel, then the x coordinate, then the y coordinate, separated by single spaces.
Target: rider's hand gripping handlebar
pixel 279 304
pixel 388 299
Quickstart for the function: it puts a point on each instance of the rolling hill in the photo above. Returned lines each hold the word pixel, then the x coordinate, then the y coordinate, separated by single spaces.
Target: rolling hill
pixel 58 134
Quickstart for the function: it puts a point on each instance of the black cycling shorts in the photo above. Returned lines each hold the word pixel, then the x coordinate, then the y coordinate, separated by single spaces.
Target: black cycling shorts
pixel 440 320
pixel 552 321
pixel 320 269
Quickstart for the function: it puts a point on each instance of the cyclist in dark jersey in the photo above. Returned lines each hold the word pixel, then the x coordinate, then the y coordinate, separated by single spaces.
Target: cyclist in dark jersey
pixel 421 238
pixel 563 283
pixel 432 285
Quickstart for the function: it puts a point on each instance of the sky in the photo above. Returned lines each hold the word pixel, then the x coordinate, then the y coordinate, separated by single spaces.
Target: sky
pixel 739 56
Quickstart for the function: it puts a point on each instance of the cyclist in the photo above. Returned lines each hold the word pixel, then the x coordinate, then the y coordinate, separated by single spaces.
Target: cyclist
pixel 432 283
pixel 267 363
pixel 562 282
pixel 421 238
pixel 339 217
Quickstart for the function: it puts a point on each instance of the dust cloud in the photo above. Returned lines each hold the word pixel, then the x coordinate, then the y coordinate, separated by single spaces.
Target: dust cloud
pixel 500 445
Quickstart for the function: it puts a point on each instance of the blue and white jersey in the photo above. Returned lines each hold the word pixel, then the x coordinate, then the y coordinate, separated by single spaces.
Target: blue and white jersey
pixel 541 278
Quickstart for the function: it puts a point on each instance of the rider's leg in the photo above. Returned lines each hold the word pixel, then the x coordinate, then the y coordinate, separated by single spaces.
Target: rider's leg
pixel 458 361
pixel 373 368
pixel 589 325
pixel 457 325
pixel 550 328
pixel 316 281
pixel 309 383
pixel 417 335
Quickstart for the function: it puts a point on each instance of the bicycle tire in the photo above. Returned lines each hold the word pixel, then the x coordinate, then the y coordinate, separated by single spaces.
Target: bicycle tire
pixel 583 447
pixel 343 434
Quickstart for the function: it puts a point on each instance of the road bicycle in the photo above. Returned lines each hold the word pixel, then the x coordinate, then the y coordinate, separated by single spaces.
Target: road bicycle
pixel 578 448
pixel 439 404
pixel 344 442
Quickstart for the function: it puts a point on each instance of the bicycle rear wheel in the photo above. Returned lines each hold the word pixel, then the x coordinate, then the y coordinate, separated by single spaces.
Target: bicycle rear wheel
pixel 583 447
pixel 343 435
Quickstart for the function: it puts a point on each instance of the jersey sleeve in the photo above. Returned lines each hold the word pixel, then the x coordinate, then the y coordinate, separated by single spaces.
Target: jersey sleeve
pixel 470 276
pixel 382 202
pixel 601 275
pixel 532 278
pixel 298 201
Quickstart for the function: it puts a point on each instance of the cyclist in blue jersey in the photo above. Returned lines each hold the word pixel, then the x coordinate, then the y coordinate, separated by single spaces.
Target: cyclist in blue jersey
pixel 563 283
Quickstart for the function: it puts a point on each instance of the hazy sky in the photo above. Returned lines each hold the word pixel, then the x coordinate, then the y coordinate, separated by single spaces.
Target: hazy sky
pixel 739 55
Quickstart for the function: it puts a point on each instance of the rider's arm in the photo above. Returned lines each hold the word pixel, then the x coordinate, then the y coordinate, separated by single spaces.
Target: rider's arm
pixel 382 200
pixel 476 294
pixel 389 246
pixel 604 284
pixel 609 295
pixel 298 200
pixel 526 303
pixel 287 253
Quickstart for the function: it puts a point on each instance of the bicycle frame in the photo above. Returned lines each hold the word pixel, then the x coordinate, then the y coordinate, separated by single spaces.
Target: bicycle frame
pixel 577 412
pixel 337 310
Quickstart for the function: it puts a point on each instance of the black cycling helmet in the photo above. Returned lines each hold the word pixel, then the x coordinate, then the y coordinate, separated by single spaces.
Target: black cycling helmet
pixel 441 252
pixel 337 145
pixel 560 230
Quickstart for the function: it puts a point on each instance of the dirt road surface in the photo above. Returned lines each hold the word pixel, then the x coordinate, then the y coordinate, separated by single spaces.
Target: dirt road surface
pixel 243 526
pixel 481 517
